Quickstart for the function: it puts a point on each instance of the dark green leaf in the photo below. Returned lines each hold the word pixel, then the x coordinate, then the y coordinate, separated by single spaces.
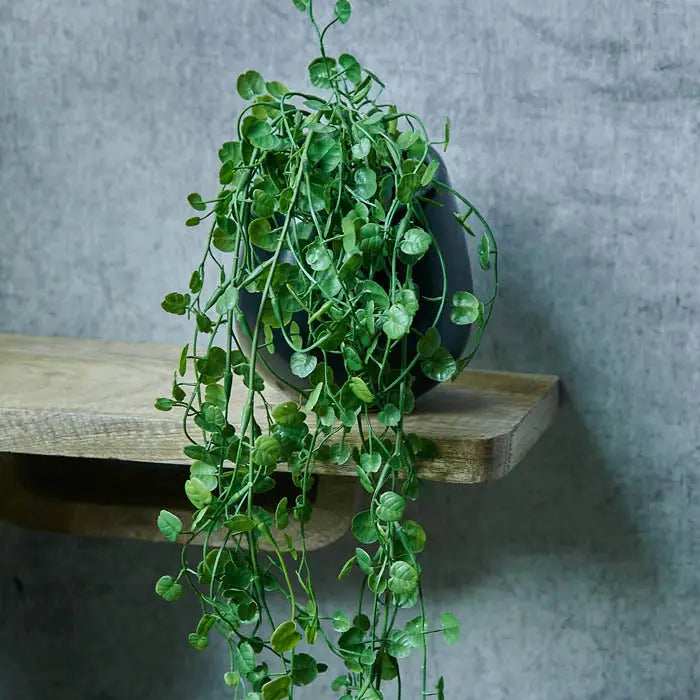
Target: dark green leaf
pixel 415 536
pixel 164 404
pixel 408 184
pixel 484 253
pixel 403 578
pixel 429 343
pixel 320 72
pixel 176 303
pixel 240 523
pixel 465 308
pixel 440 366
pixel 364 561
pixel 193 221
pixel 343 10
pixel 196 202
pixel 304 669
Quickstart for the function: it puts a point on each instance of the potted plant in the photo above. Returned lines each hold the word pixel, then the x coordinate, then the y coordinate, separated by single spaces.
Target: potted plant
pixel 335 264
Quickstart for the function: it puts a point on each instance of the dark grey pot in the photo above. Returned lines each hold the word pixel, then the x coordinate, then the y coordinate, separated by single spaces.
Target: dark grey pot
pixel 452 240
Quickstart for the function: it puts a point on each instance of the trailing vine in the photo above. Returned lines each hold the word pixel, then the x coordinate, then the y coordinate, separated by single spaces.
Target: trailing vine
pixel 321 217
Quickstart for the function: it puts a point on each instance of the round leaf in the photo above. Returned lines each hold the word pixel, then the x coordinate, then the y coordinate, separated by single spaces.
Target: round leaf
pixel 285 637
pixel 391 507
pixel 397 322
pixel 416 242
pixel 363 528
pixel 365 182
pixel 450 628
pixel 403 578
pixel 465 308
pixel 389 415
pixel 250 84
pixel 304 669
pixel 302 364
pixel 429 343
pixel 343 10
pixel 168 589
pixel 440 366
pixel 197 492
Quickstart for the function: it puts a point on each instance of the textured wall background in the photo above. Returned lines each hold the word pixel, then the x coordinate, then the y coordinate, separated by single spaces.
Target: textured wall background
pixel 576 130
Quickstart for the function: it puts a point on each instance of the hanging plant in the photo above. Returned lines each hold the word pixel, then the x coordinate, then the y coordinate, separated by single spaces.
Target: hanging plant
pixel 335 265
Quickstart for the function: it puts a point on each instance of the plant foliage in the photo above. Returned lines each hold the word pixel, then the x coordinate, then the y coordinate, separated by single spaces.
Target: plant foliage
pixel 321 213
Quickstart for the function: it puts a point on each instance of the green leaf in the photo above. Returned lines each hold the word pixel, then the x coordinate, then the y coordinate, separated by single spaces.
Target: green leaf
pixel 206 473
pixel 429 343
pixel 302 364
pixel 376 293
pixel 277 689
pixel 360 389
pixel 164 404
pixel 416 242
pixel 244 658
pixel 403 578
pixel 169 525
pixel 319 70
pixel 314 396
pixel 304 669
pixel 276 89
pixel 415 536
pixel 484 253
pixel 197 492
pixel 398 644
pixel 282 514
pixel 352 360
pixel 361 149
pixel 318 257
pixel 198 641
pixel 288 414
pixel 407 139
pixel 407 298
pixel 301 4
pixel 440 688
pixel 240 523
pixel 196 202
pixel 440 366
pixel 408 184
pixel 175 303
pixel 343 10
pixel 261 234
pixel 397 322
pixel 390 507
pixel 177 393
pixel 250 84
pixel 263 203
pixel 389 415
pixel 465 308
pixel 232 678
pixel 267 451
pixel 353 70
pixel 285 637
pixel 195 282
pixel 214 393
pixel 230 152
pixel 450 628
pixel 430 173
pixel 364 561
pixel 340 621
pixel 182 365
pixel 415 629
pixel 168 589
pixel 365 182
pixel 447 133
pixel 371 463
pixel 193 221
pixel 223 241
pixel 363 528
pixel 227 301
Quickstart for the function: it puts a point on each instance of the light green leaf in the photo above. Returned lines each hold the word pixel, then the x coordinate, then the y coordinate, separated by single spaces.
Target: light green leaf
pixel 484 253
pixel 282 514
pixel 302 364
pixel 399 644
pixel 365 182
pixel 391 507
pixel 389 415
pixel 267 451
pixel 416 242
pixel 407 139
pixel 403 578
pixel 450 628
pixel 318 257
pixel 397 322
pixel 352 68
pixel 227 301
pixel 164 404
pixel 340 621
pixel 197 492
pixel 371 463
pixel 240 523
pixel 415 536
pixel 276 89
pixel 245 658
pixel 277 689
pixel 363 528
pixel 361 149
pixel 360 389
pixel 408 184
pixel 314 396
pixel 168 589
pixel 285 637
pixel 364 561
pixel 250 84
pixel 430 172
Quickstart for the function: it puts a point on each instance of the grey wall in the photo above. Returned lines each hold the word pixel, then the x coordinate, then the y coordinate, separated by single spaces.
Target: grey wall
pixel 576 129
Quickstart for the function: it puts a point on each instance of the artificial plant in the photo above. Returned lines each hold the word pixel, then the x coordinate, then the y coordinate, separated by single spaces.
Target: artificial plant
pixel 321 215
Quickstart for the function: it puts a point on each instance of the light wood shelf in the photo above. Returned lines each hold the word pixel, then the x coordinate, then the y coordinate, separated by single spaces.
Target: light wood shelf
pixel 94 399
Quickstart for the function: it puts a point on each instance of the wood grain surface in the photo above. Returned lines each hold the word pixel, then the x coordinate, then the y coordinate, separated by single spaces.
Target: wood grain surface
pixel 92 398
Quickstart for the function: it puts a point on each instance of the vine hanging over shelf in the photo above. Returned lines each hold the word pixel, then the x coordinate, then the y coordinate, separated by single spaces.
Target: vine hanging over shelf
pixel 319 227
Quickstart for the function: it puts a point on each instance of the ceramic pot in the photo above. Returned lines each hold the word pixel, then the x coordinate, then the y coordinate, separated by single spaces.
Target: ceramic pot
pixel 452 240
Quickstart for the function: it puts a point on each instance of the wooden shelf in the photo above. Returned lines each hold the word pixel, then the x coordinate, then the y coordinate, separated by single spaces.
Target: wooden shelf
pixel 92 399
